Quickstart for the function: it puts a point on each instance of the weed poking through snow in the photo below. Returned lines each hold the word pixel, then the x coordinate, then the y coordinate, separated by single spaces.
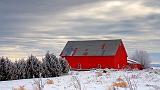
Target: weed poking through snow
pixel 19 88
pixel 76 83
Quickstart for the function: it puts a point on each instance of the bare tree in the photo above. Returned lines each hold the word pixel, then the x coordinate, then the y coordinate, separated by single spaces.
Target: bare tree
pixel 142 57
pixel 38 83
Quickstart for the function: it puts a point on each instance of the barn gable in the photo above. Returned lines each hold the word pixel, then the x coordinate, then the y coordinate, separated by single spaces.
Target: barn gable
pixel 91 48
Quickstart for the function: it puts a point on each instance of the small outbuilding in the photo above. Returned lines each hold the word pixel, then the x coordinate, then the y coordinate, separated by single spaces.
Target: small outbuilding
pixel 95 54
pixel 132 64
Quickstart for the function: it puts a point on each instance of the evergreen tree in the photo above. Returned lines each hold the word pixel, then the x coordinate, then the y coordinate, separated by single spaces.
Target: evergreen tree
pixel 3 73
pixel 8 68
pixel 13 71
pixel 52 66
pixel 33 66
pixel 21 69
pixel 64 64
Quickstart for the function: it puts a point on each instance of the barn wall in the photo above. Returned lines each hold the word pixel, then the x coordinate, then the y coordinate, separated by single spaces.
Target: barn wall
pixel 88 62
pixel 121 57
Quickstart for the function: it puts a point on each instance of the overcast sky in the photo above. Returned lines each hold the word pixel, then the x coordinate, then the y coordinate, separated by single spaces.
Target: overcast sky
pixel 36 26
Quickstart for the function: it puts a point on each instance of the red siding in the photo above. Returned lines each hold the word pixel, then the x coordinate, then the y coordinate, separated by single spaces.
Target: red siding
pixel 121 57
pixel 135 66
pixel 88 62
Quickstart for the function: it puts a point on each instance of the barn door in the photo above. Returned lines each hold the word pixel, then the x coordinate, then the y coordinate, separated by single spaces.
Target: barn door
pixel 79 66
pixel 99 66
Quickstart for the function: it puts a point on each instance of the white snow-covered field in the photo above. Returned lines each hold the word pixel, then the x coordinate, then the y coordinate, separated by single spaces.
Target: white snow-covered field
pixel 90 80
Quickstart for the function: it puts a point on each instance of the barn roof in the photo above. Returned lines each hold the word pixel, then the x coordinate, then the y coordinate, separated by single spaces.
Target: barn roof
pixel 91 48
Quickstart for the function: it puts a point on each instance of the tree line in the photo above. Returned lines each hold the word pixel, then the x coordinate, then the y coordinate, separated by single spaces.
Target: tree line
pixel 32 67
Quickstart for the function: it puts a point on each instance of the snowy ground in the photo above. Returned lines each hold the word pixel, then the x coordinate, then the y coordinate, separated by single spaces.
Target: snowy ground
pixel 88 80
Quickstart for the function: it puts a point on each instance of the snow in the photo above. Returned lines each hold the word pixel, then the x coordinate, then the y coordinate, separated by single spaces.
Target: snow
pixel 88 80
pixel 132 61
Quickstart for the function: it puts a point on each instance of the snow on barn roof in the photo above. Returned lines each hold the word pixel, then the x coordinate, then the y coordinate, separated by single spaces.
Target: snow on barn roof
pixel 91 48
pixel 130 61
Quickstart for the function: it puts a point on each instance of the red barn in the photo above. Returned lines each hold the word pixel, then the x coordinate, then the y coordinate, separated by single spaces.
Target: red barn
pixel 95 54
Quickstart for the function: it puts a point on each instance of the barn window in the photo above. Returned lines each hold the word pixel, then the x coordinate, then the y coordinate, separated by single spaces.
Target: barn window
pixel 99 65
pixel 79 66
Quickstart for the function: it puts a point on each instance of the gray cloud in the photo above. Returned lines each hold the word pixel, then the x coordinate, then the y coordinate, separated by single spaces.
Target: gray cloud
pixel 35 27
pixel 152 3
